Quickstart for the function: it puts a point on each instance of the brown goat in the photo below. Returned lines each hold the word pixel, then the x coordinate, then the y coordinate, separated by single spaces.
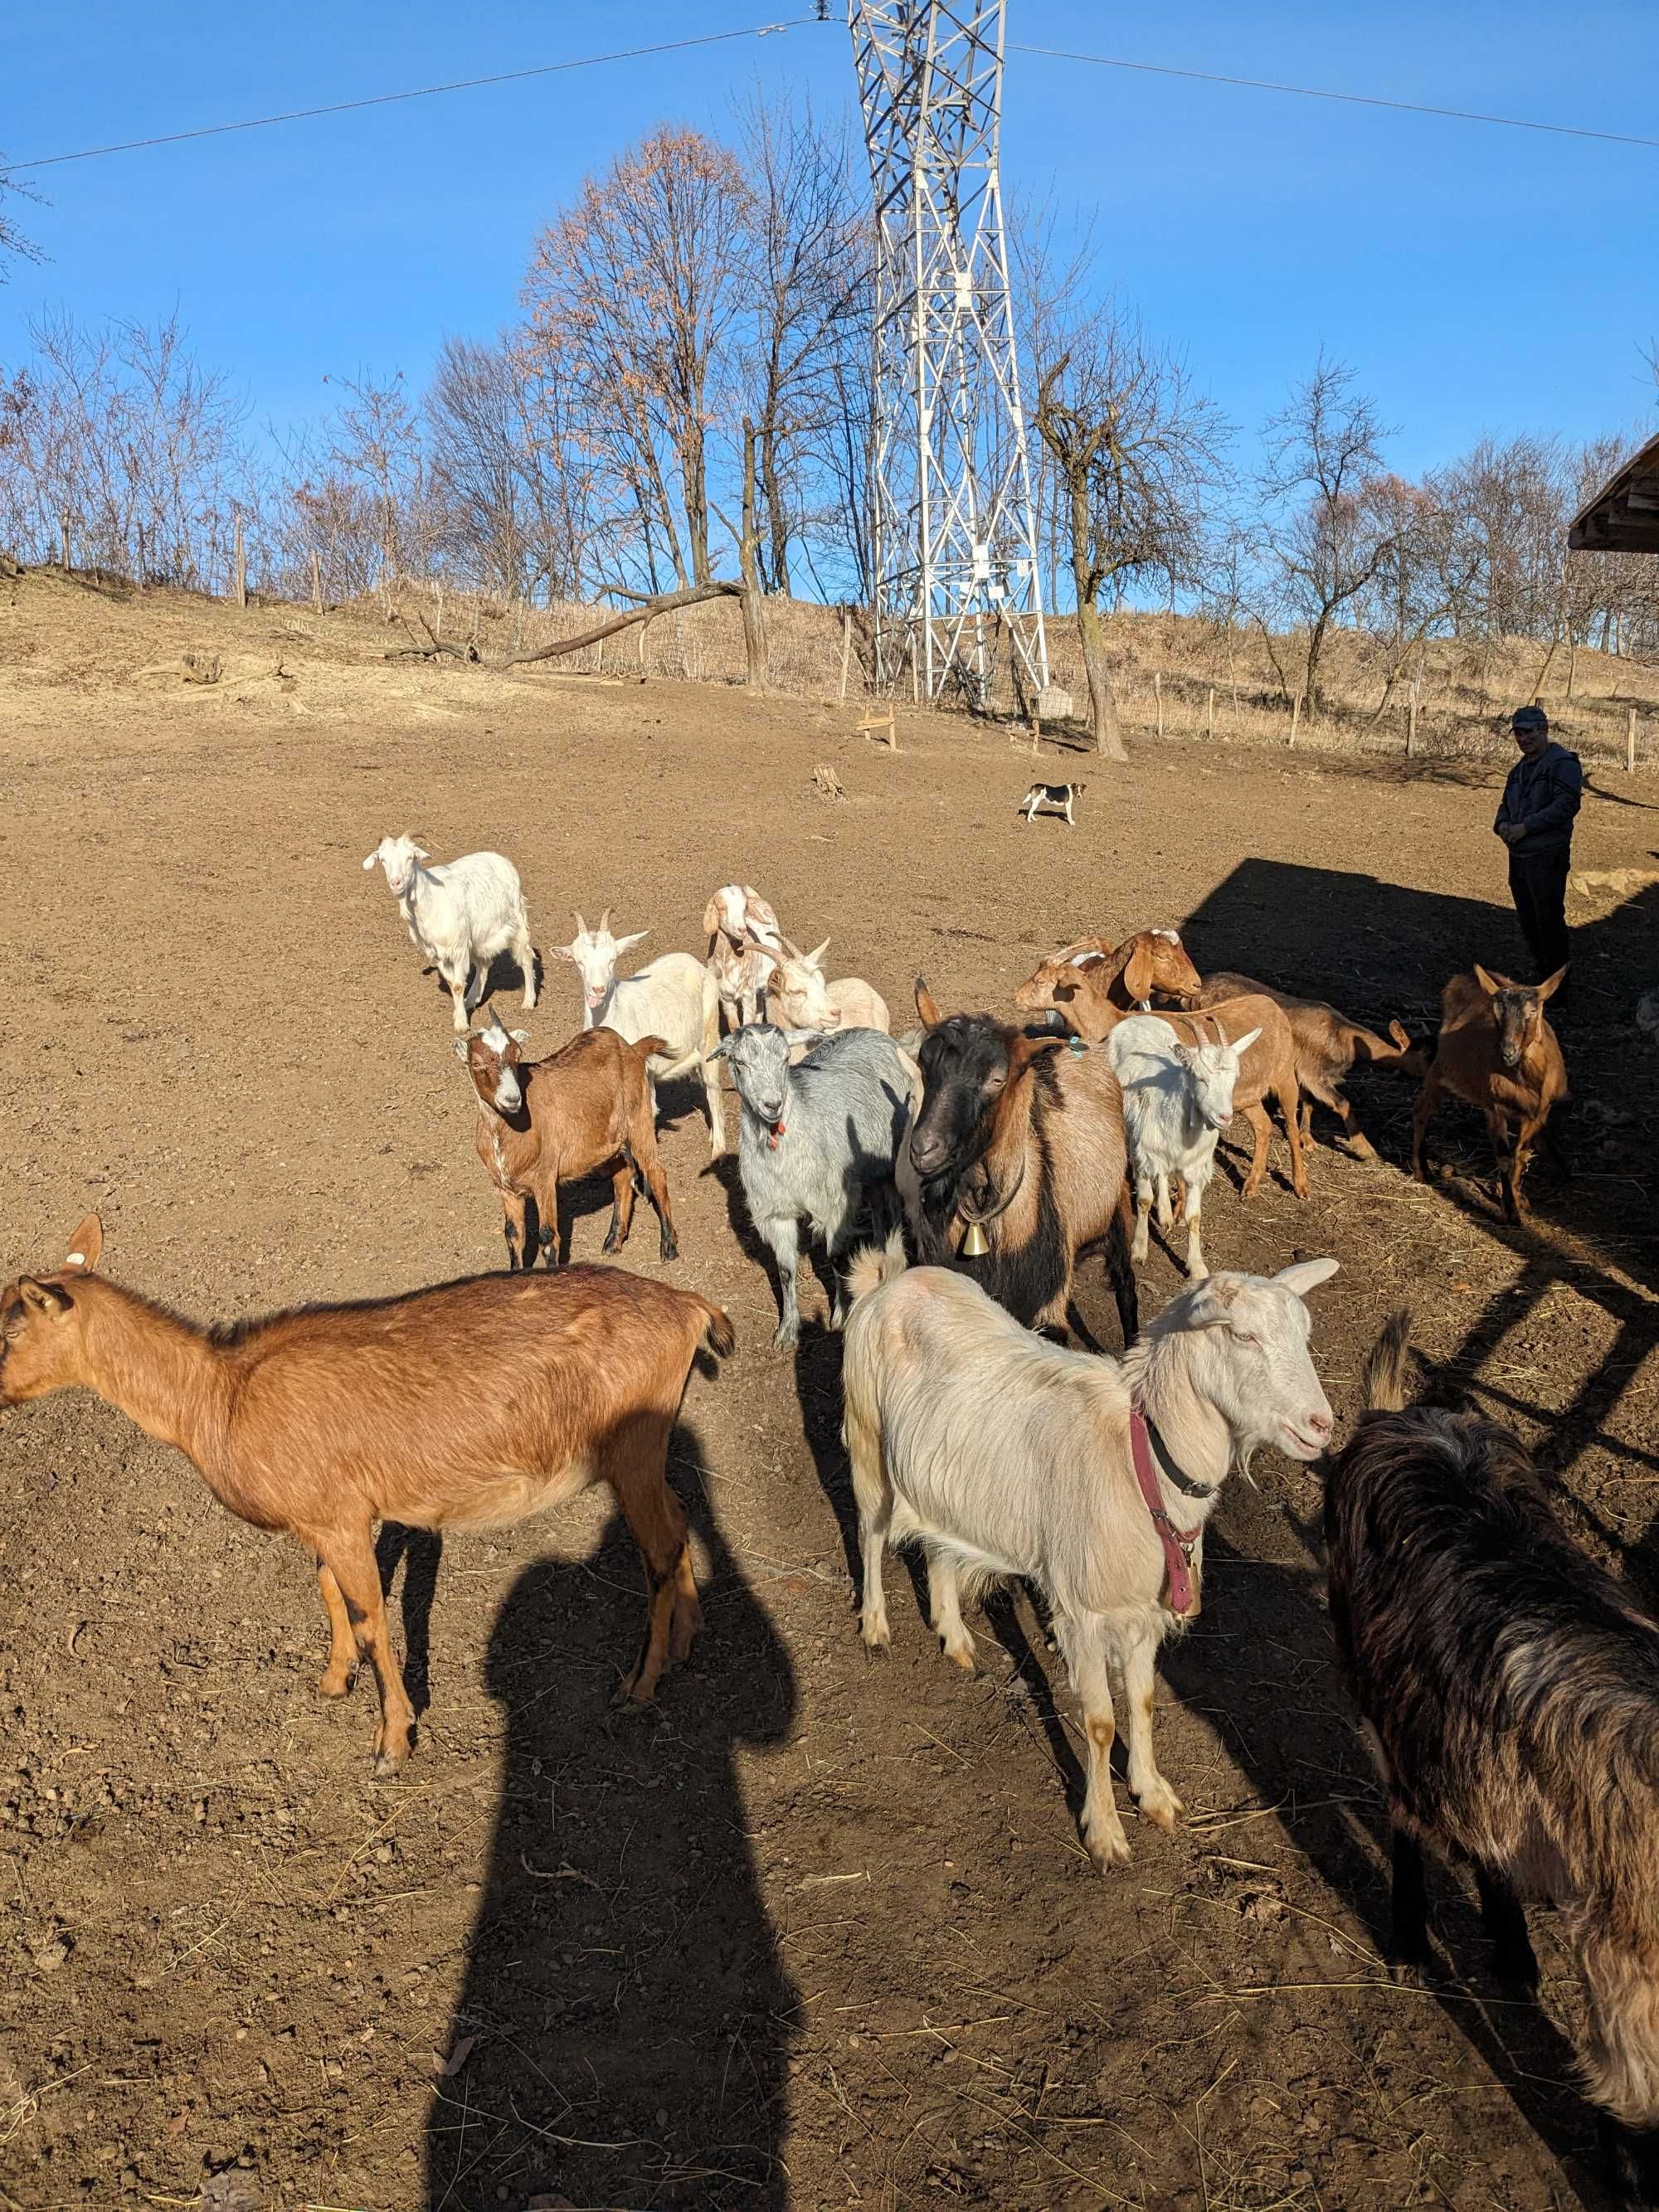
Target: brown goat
pixel 467 1406
pixel 1092 985
pixel 1495 1050
pixel 542 1122
pixel 1022 1138
pixel 1327 1046
pixel 1509 1685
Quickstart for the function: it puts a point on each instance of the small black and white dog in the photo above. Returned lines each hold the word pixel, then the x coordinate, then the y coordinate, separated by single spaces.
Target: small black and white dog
pixel 1051 799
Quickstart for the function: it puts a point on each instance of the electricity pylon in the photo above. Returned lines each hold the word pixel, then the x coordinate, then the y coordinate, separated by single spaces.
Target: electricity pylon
pixel 954 552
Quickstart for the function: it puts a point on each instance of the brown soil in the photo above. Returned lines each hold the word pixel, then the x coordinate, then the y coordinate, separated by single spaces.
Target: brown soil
pixel 814 1933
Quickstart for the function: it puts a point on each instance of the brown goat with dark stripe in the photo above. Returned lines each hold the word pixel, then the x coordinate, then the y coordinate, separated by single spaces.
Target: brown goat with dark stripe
pixel 1509 1690
pixel 467 1406
pixel 1023 1139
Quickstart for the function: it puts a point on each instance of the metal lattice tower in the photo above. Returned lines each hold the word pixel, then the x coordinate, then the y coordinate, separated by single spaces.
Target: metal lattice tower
pixel 954 553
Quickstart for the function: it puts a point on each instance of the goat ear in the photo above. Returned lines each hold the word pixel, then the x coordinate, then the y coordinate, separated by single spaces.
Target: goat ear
pixel 1138 973
pixel 1024 1049
pixel 815 958
pixel 757 907
pixel 634 936
pixel 461 1052
pixel 930 1016
pixel 86 1246
pixel 1305 1275
pixel 44 1298
pixel 563 951
pixel 1552 982
pixel 808 1037
pixel 420 853
pixel 372 859
pixel 1398 1033
pixel 520 1037
pixel 1241 1045
pixel 1490 984
pixel 711 916
pixel 722 1051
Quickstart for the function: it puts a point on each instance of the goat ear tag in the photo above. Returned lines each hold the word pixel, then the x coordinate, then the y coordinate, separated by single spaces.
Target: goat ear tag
pixel 86 1245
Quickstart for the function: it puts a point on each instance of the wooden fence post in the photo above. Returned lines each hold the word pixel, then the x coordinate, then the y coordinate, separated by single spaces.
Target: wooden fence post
pixel 1411 727
pixel 1211 714
pixel 1158 690
pixel 846 649
pixel 64 539
pixel 316 580
pixel 1296 716
pixel 1630 744
pixel 238 564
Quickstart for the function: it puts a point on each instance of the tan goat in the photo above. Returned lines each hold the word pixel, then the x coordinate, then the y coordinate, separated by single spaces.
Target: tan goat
pixel 1495 1050
pixel 468 1406
pixel 542 1122
pixel 1328 1047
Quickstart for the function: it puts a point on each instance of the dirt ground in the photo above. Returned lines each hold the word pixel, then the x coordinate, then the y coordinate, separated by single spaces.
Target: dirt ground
pixel 817 1933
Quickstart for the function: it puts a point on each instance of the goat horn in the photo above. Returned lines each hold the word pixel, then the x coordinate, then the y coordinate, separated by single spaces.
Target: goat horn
pixel 605 921
pixel 581 926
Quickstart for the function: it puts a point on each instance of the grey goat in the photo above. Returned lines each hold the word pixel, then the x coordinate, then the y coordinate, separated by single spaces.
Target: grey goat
pixel 814 1138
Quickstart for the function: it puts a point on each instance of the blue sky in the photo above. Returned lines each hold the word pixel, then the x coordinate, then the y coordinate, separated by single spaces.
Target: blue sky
pixel 1478 278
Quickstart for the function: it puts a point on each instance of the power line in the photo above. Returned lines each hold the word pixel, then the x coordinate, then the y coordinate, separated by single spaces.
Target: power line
pixel 421 91
pixel 1349 98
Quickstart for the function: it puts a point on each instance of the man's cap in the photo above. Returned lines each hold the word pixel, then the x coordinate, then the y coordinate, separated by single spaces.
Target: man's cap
pixel 1529 718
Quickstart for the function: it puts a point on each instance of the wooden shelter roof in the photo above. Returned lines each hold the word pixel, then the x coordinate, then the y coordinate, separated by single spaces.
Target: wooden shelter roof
pixel 1624 515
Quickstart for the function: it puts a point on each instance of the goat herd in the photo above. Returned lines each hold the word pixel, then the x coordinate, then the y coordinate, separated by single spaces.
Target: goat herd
pixel 1509 1685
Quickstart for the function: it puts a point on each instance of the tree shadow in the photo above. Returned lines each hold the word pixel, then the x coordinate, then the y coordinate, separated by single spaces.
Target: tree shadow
pixel 624 2035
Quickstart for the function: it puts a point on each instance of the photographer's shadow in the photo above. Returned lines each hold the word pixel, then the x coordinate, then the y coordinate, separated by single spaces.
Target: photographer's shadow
pixel 629 2016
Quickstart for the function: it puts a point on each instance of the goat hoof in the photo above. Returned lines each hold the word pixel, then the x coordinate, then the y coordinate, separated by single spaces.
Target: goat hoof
pixel 613 1242
pixel 388 1767
pixel 1108 1852
pixel 331 1685
pixel 1161 1806
pixel 668 1249
pixel 787 1333
pixel 877 1640
pixel 961 1655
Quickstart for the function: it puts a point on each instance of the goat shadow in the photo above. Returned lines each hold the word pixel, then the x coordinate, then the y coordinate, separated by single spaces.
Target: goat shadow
pixel 628 2015
pixel 1297 1740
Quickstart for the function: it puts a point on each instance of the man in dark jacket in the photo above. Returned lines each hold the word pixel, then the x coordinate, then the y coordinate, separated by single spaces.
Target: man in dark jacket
pixel 1534 820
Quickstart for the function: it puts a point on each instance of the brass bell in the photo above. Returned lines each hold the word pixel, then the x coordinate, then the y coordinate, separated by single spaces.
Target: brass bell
pixel 976 1244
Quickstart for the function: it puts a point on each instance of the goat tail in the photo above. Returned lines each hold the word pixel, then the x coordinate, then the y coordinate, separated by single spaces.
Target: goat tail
pixel 717 1334
pixel 874 1264
pixel 648 1048
pixel 1382 1381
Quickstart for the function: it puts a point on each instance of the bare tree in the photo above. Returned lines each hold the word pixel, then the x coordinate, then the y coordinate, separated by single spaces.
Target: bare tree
pixel 803 290
pixel 14 246
pixel 635 287
pixel 372 443
pixel 1327 538
pixel 1136 450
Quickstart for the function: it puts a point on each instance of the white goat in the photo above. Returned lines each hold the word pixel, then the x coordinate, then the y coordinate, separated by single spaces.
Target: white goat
pixel 1177 1099
pixel 1004 1454
pixel 743 948
pixel 798 996
pixel 460 915
pixel 674 997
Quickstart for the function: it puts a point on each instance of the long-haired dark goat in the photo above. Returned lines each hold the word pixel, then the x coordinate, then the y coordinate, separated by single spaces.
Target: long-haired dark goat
pixel 1024 1140
pixel 1509 1689
pixel 467 1406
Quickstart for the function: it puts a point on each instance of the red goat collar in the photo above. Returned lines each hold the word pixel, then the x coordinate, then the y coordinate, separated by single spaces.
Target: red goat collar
pixel 1178 1542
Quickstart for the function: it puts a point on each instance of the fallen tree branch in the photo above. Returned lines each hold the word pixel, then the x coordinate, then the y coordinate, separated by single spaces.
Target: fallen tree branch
pixel 662 603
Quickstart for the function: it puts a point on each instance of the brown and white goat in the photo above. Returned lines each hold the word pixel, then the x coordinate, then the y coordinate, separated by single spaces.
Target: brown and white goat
pixel 743 948
pixel 542 1122
pixel 1495 1050
pixel 1328 1047
pixel 1023 1139
pixel 1091 984
pixel 467 1406
pixel 799 995
pixel 1509 1689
